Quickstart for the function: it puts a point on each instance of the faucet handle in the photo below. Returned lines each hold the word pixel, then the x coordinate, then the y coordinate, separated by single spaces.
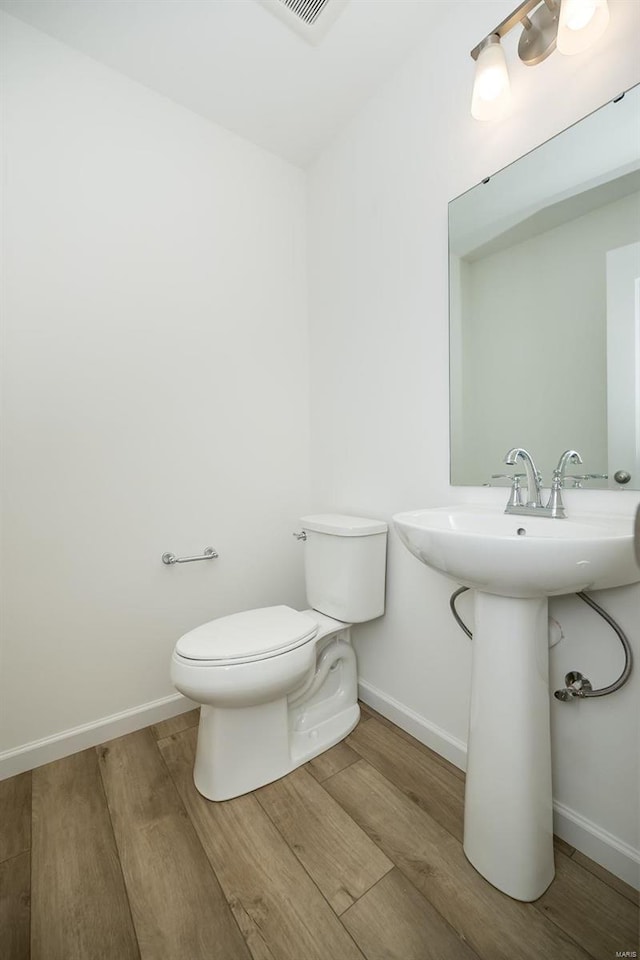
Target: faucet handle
pixel 579 477
pixel 516 491
pixel 508 476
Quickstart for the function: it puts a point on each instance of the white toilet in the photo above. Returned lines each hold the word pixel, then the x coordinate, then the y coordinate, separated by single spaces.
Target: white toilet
pixel 278 687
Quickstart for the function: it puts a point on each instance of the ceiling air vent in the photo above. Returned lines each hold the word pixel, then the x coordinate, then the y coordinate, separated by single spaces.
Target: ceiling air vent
pixel 309 18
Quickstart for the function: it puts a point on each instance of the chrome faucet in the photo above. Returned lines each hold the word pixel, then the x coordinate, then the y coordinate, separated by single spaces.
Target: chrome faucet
pixel 534 498
pixel 533 507
pixel 555 506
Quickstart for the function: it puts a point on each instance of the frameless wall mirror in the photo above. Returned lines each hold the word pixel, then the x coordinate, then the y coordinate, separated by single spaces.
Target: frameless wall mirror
pixel 544 306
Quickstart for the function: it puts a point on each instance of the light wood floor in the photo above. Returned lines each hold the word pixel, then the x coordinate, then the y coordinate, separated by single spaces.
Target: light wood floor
pixel 112 854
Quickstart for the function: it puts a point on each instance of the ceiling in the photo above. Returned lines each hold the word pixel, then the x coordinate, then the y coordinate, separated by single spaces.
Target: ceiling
pixel 235 63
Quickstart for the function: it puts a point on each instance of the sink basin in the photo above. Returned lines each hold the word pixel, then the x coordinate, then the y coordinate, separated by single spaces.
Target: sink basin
pixel 517 556
pixel 515 563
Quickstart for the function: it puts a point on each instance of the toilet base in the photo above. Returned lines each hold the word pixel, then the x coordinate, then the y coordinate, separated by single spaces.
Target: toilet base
pixel 309 743
pixel 242 748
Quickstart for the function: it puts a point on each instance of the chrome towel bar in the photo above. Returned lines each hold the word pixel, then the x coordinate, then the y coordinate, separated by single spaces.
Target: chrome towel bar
pixel 209 554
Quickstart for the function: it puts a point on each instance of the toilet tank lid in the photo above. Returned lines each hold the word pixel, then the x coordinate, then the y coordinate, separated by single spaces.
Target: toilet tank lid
pixel 248 634
pixel 342 526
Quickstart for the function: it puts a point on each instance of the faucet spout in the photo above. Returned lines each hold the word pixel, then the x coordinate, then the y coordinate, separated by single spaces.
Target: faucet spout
pixel 534 498
pixel 569 456
pixel 555 506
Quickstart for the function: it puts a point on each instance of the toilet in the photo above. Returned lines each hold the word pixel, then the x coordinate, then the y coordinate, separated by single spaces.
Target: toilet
pixel 277 686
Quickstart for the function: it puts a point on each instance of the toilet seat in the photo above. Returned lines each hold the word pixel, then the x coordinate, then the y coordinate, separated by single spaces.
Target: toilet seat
pixel 246 637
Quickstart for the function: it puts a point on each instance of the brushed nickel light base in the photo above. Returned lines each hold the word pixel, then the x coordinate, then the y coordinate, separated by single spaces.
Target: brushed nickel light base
pixel 538 40
pixel 543 21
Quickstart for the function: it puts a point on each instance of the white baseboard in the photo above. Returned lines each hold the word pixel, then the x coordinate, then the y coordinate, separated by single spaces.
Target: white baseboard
pixel 63 744
pixel 598 844
pixel 423 730
pixel 603 847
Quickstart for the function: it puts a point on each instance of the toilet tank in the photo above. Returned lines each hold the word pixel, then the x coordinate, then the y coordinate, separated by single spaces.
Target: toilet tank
pixel 344 565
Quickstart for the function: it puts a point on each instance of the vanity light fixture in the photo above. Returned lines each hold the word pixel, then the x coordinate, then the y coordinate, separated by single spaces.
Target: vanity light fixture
pixel 571 25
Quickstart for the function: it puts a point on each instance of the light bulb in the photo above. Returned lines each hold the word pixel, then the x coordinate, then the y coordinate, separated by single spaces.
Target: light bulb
pixel 581 23
pixel 580 14
pixel 490 83
pixel 491 89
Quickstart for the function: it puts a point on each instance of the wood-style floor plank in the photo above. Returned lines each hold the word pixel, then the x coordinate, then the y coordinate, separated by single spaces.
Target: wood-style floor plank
pixel 334 851
pixel 179 910
pixel 561 846
pixel 451 767
pixel 15 815
pixel 592 912
pixel 430 785
pixel 15 914
pixel 268 848
pixel 437 793
pixel 166 728
pixel 331 761
pixel 393 921
pixel 369 713
pixel 79 906
pixel 609 878
pixel 366 712
pixel 276 903
pixel 494 925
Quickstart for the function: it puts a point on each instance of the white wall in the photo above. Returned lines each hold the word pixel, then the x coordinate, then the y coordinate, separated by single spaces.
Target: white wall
pixel 155 376
pixel 379 400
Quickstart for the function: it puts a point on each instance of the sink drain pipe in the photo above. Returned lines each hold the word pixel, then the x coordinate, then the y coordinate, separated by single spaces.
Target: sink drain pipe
pixel 576 684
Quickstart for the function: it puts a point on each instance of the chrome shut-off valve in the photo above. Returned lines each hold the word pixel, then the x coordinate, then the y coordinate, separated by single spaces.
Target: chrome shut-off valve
pixel 576 686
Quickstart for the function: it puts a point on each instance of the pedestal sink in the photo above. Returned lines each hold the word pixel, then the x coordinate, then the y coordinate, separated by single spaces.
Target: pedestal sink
pixel 514 563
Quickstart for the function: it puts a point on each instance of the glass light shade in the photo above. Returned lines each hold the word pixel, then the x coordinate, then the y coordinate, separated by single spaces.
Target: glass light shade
pixel 491 88
pixel 581 23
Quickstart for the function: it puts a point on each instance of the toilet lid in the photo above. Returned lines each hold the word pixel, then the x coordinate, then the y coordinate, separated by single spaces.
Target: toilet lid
pixel 249 634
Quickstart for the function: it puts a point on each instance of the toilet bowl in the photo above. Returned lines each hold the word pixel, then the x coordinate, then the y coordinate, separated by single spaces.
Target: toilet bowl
pixel 276 686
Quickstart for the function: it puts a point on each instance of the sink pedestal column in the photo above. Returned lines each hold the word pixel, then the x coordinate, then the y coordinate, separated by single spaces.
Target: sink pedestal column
pixel 508 817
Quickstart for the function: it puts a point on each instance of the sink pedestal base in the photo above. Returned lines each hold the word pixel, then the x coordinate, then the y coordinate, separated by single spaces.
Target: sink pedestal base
pixel 508 819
